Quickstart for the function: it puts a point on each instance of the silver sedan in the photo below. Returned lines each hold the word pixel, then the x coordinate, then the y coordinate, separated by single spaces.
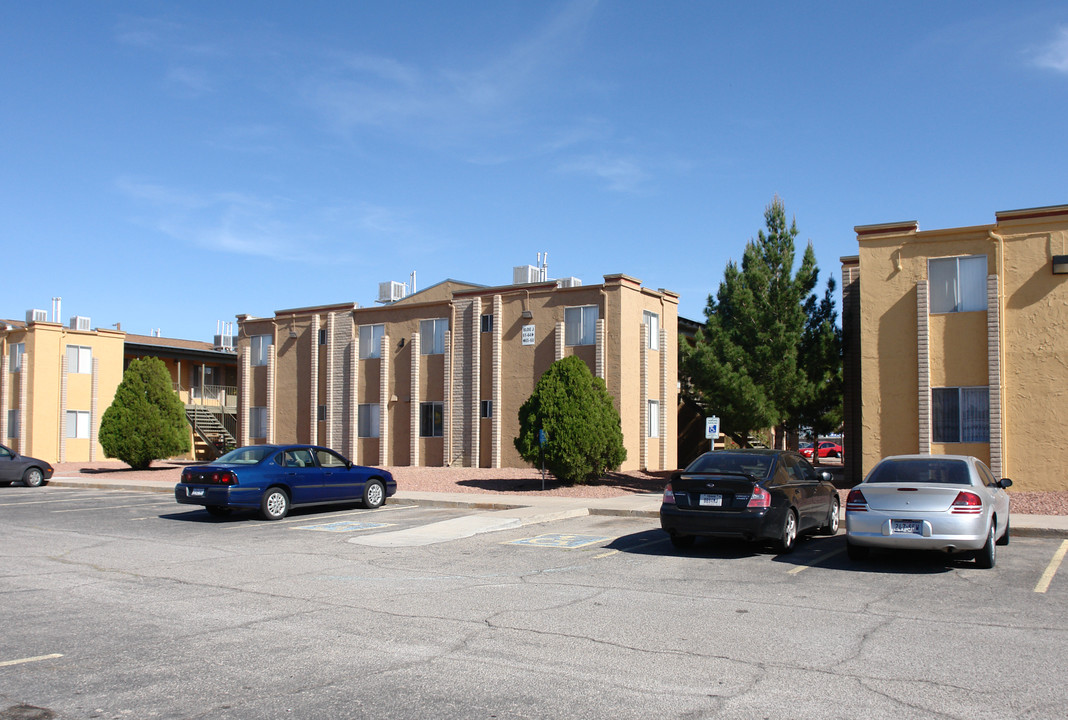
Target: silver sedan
pixel 950 503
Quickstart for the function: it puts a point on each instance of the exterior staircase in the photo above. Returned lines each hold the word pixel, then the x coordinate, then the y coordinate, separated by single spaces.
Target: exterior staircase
pixel 210 437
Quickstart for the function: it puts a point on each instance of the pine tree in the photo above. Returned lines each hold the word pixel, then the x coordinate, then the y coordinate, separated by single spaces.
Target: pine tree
pixel 584 438
pixel 146 420
pixel 746 365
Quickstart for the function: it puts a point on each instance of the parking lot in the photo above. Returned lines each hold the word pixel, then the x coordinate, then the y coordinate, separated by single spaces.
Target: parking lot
pixel 125 604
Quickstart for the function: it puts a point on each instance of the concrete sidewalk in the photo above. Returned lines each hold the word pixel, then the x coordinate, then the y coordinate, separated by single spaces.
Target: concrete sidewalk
pixel 499 511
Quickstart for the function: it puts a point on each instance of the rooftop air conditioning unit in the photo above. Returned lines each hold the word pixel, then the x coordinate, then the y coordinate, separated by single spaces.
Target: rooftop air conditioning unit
pixel 33 316
pixel 79 322
pixel 224 342
pixel 523 274
pixel 569 282
pixel 391 291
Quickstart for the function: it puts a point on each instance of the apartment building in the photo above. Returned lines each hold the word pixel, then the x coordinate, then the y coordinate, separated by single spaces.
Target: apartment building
pixel 57 380
pixel 436 378
pixel 956 342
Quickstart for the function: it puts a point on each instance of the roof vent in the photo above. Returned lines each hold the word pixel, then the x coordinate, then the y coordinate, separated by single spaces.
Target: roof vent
pixel 568 282
pixel 33 316
pixel 79 322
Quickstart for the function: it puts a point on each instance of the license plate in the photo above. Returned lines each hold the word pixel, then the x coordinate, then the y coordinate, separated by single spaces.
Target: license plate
pixel 711 500
pixel 911 527
pixel 196 492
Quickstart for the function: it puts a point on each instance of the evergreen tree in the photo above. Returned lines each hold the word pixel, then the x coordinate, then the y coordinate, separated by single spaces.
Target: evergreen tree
pixel 584 438
pixel 746 365
pixel 146 420
pixel 819 406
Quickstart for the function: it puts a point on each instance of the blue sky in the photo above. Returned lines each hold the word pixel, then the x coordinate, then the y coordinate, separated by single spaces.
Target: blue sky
pixel 170 165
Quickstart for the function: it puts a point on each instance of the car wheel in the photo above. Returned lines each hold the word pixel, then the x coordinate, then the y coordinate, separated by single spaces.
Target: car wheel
pixel 831 526
pixel 986 557
pixel 33 477
pixel 1005 538
pixel 788 537
pixel 217 510
pixel 275 504
pixel 856 552
pixel 374 494
pixel 681 542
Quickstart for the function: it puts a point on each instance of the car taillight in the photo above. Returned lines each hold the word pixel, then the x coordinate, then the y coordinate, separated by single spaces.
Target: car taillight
pixel 669 495
pixel 967 503
pixel 856 502
pixel 760 498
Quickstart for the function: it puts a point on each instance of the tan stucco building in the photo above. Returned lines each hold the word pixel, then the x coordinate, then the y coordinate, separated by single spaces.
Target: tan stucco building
pixel 437 378
pixel 57 380
pixel 956 343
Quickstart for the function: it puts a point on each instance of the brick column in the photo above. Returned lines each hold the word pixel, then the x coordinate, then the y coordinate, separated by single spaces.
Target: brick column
pixel 993 356
pixel 272 363
pixel 924 369
pixel 474 409
pixel 664 436
pixel 94 417
pixel 383 403
pixel 498 320
pixel 413 415
pixel 559 341
pixel 313 383
pixel 243 395
pixel 643 397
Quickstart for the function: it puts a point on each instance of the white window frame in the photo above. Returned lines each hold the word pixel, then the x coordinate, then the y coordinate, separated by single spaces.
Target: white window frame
pixel 78 424
pixel 972 424
pixel 260 350
pixel 580 325
pixel 432 336
pixel 371 341
pixel 652 321
pixel 368 420
pixel 257 422
pixel 79 359
pixel 652 421
pixel 957 284
pixel 17 351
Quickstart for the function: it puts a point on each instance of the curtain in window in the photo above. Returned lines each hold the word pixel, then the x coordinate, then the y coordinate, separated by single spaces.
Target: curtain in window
pixel 432 336
pixel 942 285
pixel 371 341
pixel 367 420
pixel 580 325
pixel 972 272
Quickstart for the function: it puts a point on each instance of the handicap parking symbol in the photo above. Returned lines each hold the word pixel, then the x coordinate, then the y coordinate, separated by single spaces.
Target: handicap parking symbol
pixel 564 541
pixel 343 526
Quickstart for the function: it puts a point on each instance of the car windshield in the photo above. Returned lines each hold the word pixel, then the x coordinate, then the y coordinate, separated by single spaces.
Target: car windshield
pixel 920 470
pixel 759 466
pixel 246 455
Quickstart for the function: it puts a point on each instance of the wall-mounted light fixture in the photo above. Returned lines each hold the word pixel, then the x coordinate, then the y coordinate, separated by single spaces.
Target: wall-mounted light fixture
pixel 292 333
pixel 1060 264
pixel 527 315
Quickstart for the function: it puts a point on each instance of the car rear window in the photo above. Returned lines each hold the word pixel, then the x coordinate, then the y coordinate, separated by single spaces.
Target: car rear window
pixel 919 470
pixel 246 455
pixel 759 466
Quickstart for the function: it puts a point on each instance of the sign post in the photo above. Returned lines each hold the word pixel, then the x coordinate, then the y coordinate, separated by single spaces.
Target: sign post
pixel 712 429
pixel 543 437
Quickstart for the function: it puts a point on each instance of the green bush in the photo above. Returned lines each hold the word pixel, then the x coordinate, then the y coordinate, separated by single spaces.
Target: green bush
pixel 584 437
pixel 146 420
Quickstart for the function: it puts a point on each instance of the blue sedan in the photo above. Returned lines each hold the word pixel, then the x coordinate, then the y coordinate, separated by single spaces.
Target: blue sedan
pixel 274 478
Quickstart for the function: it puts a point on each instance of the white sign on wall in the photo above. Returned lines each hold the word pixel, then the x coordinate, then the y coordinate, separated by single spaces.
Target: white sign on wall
pixel 711 427
pixel 528 334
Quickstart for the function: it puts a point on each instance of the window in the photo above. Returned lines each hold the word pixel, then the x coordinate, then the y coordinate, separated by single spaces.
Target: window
pixel 77 424
pixel 322 413
pixel 432 336
pixel 257 421
pixel 12 423
pixel 580 325
pixel 487 323
pixel 261 348
pixel 367 420
pixel 298 458
pixel 329 458
pixel 79 359
pixel 371 341
pixel 322 336
pixel 486 409
pixel 652 321
pixel 653 421
pixel 431 419
pixel 17 350
pixel 957 284
pixel 960 415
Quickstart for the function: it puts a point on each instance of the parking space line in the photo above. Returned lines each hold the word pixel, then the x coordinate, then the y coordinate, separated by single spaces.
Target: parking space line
pixel 287 521
pixel 80 498
pixel 109 507
pixel 817 561
pixel 21 661
pixel 631 548
pixel 1051 569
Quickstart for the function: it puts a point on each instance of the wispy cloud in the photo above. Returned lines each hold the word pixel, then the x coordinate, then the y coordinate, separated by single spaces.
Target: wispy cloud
pixel 1055 54
pixel 620 173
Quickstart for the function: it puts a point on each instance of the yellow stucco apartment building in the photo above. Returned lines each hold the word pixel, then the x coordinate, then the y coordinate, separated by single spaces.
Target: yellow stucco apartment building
pixel 956 342
pixel 436 378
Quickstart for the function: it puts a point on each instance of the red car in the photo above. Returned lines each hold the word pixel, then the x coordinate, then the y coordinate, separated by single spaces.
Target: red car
pixel 827 449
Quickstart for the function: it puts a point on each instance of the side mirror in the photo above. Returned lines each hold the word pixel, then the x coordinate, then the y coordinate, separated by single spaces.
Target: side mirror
pixel 1004 483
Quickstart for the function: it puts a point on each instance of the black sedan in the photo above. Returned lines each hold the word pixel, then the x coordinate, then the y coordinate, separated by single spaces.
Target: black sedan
pixel 756 495
pixel 31 471
pixel 274 478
